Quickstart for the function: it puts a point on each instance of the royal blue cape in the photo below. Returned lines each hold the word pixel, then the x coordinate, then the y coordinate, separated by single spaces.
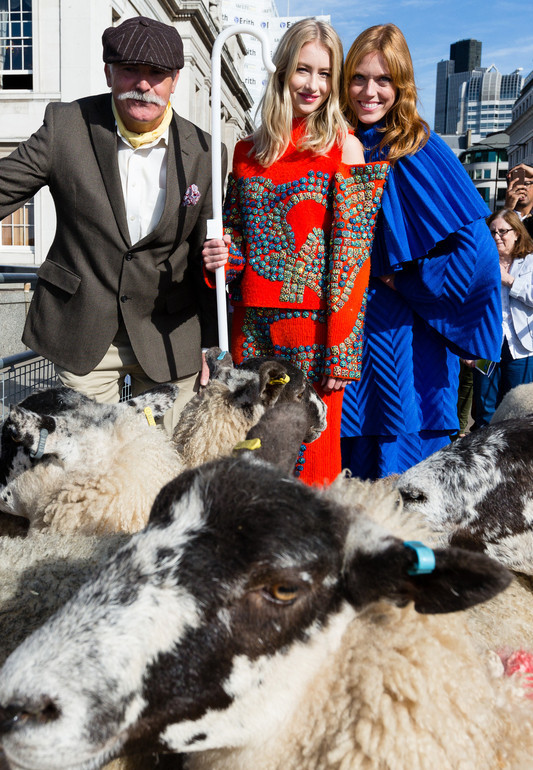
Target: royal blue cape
pixel 431 233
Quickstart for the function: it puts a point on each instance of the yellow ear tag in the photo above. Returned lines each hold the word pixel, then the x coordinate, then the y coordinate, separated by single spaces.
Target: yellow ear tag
pixel 250 443
pixel 283 380
pixel 149 416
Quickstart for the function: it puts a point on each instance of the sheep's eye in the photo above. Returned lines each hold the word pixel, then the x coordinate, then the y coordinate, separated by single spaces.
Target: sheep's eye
pixel 284 594
pixel 16 438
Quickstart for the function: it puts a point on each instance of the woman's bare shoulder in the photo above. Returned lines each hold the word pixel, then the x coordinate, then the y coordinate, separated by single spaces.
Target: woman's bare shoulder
pixel 352 151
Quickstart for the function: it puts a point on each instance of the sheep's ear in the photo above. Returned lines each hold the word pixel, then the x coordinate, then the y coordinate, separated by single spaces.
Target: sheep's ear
pixel 383 567
pixel 273 378
pixel 218 361
pixel 277 437
pixel 158 399
pixel 30 429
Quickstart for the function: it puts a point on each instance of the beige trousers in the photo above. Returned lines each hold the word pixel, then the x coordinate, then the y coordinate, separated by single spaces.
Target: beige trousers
pixel 105 382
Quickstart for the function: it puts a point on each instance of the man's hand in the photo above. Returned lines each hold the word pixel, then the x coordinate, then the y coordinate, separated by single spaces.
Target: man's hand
pixel 216 253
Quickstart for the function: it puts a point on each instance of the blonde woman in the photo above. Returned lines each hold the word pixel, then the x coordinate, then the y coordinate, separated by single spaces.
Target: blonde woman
pixel 434 294
pixel 299 215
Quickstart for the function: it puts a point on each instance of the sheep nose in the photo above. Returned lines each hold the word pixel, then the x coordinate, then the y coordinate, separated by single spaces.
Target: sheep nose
pixel 13 717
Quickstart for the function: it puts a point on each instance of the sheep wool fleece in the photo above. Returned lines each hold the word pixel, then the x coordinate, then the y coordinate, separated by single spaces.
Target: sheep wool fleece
pixel 402 692
pixel 299 266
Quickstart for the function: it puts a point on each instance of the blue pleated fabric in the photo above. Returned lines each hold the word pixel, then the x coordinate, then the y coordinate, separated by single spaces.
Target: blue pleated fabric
pixel 431 233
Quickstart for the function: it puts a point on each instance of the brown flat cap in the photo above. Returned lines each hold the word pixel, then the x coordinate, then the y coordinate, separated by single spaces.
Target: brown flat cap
pixel 141 40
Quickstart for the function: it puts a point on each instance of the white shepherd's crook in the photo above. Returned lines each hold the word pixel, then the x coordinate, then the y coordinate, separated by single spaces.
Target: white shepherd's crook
pixel 215 228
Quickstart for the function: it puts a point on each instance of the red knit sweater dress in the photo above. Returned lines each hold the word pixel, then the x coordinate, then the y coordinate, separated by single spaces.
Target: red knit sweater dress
pixel 301 232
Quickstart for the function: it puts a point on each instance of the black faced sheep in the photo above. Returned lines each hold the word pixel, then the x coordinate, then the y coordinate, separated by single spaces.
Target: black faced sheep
pixel 221 415
pixel 257 624
pixel 68 463
pixel 477 493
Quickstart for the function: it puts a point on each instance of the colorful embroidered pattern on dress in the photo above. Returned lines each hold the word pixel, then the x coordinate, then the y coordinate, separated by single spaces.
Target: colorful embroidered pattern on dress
pixel 358 200
pixel 301 235
pixel 257 331
pixel 273 253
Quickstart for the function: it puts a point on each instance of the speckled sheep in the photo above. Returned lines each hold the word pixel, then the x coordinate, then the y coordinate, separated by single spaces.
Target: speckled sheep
pixel 68 463
pixel 259 624
pixel 37 576
pixel 221 415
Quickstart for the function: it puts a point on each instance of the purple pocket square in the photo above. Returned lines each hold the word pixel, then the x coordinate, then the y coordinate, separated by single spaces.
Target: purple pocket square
pixel 192 196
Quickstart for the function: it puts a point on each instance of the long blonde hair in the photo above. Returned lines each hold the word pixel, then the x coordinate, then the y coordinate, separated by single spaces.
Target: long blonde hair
pixel 325 126
pixel 404 132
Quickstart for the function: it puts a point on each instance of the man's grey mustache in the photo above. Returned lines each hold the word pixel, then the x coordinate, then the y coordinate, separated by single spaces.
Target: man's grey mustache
pixel 140 97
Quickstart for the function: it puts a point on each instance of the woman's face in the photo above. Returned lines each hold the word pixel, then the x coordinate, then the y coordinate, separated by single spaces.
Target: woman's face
pixel 504 236
pixel 310 85
pixel 371 90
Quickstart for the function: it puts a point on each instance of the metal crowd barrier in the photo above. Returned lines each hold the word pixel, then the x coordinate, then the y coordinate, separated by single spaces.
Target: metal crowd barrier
pixel 22 374
pixel 18 274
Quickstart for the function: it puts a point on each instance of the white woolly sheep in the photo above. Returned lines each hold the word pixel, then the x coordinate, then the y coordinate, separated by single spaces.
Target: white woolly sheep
pixel 68 463
pixel 221 415
pixel 101 465
pixel 518 402
pixel 249 626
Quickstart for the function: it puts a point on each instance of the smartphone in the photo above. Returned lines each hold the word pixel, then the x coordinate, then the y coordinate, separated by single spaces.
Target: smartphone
pixel 518 173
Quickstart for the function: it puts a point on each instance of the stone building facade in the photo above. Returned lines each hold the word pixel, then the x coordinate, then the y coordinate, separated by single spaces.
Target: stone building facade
pixel 50 50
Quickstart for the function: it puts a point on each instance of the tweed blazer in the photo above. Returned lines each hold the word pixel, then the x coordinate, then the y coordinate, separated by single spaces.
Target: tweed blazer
pixel 93 275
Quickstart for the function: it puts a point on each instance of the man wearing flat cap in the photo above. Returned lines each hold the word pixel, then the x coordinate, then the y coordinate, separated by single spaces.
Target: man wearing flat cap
pixel 121 290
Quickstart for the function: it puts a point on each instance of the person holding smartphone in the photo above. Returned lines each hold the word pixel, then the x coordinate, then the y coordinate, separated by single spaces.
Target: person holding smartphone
pixel 519 196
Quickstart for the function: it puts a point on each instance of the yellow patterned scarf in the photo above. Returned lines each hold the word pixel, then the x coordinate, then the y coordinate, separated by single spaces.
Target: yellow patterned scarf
pixel 137 140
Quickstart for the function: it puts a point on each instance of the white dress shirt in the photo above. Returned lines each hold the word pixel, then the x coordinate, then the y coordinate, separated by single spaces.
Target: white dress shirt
pixel 143 173
pixel 517 308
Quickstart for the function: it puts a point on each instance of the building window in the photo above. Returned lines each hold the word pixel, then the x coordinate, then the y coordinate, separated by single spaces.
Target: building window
pixel 485 193
pixel 18 227
pixel 16 65
pixel 478 173
pixel 486 173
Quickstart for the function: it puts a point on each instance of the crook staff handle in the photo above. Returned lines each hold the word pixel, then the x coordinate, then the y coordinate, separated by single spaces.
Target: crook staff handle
pixel 215 228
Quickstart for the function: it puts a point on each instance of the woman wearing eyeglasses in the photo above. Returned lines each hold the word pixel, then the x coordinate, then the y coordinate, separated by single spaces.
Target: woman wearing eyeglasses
pixel 515 249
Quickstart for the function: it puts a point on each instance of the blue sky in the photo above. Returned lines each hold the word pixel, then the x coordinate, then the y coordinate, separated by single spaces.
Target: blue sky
pixel 504 28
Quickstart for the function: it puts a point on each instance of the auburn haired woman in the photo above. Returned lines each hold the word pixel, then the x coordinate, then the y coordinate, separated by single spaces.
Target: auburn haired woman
pixel 434 292
pixel 299 214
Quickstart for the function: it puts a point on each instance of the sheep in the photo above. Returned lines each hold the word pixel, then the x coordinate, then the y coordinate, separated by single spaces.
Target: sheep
pixel 257 623
pixel 37 576
pixel 101 465
pixel 477 493
pixel 504 622
pixel 518 402
pixel 68 463
pixel 220 416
